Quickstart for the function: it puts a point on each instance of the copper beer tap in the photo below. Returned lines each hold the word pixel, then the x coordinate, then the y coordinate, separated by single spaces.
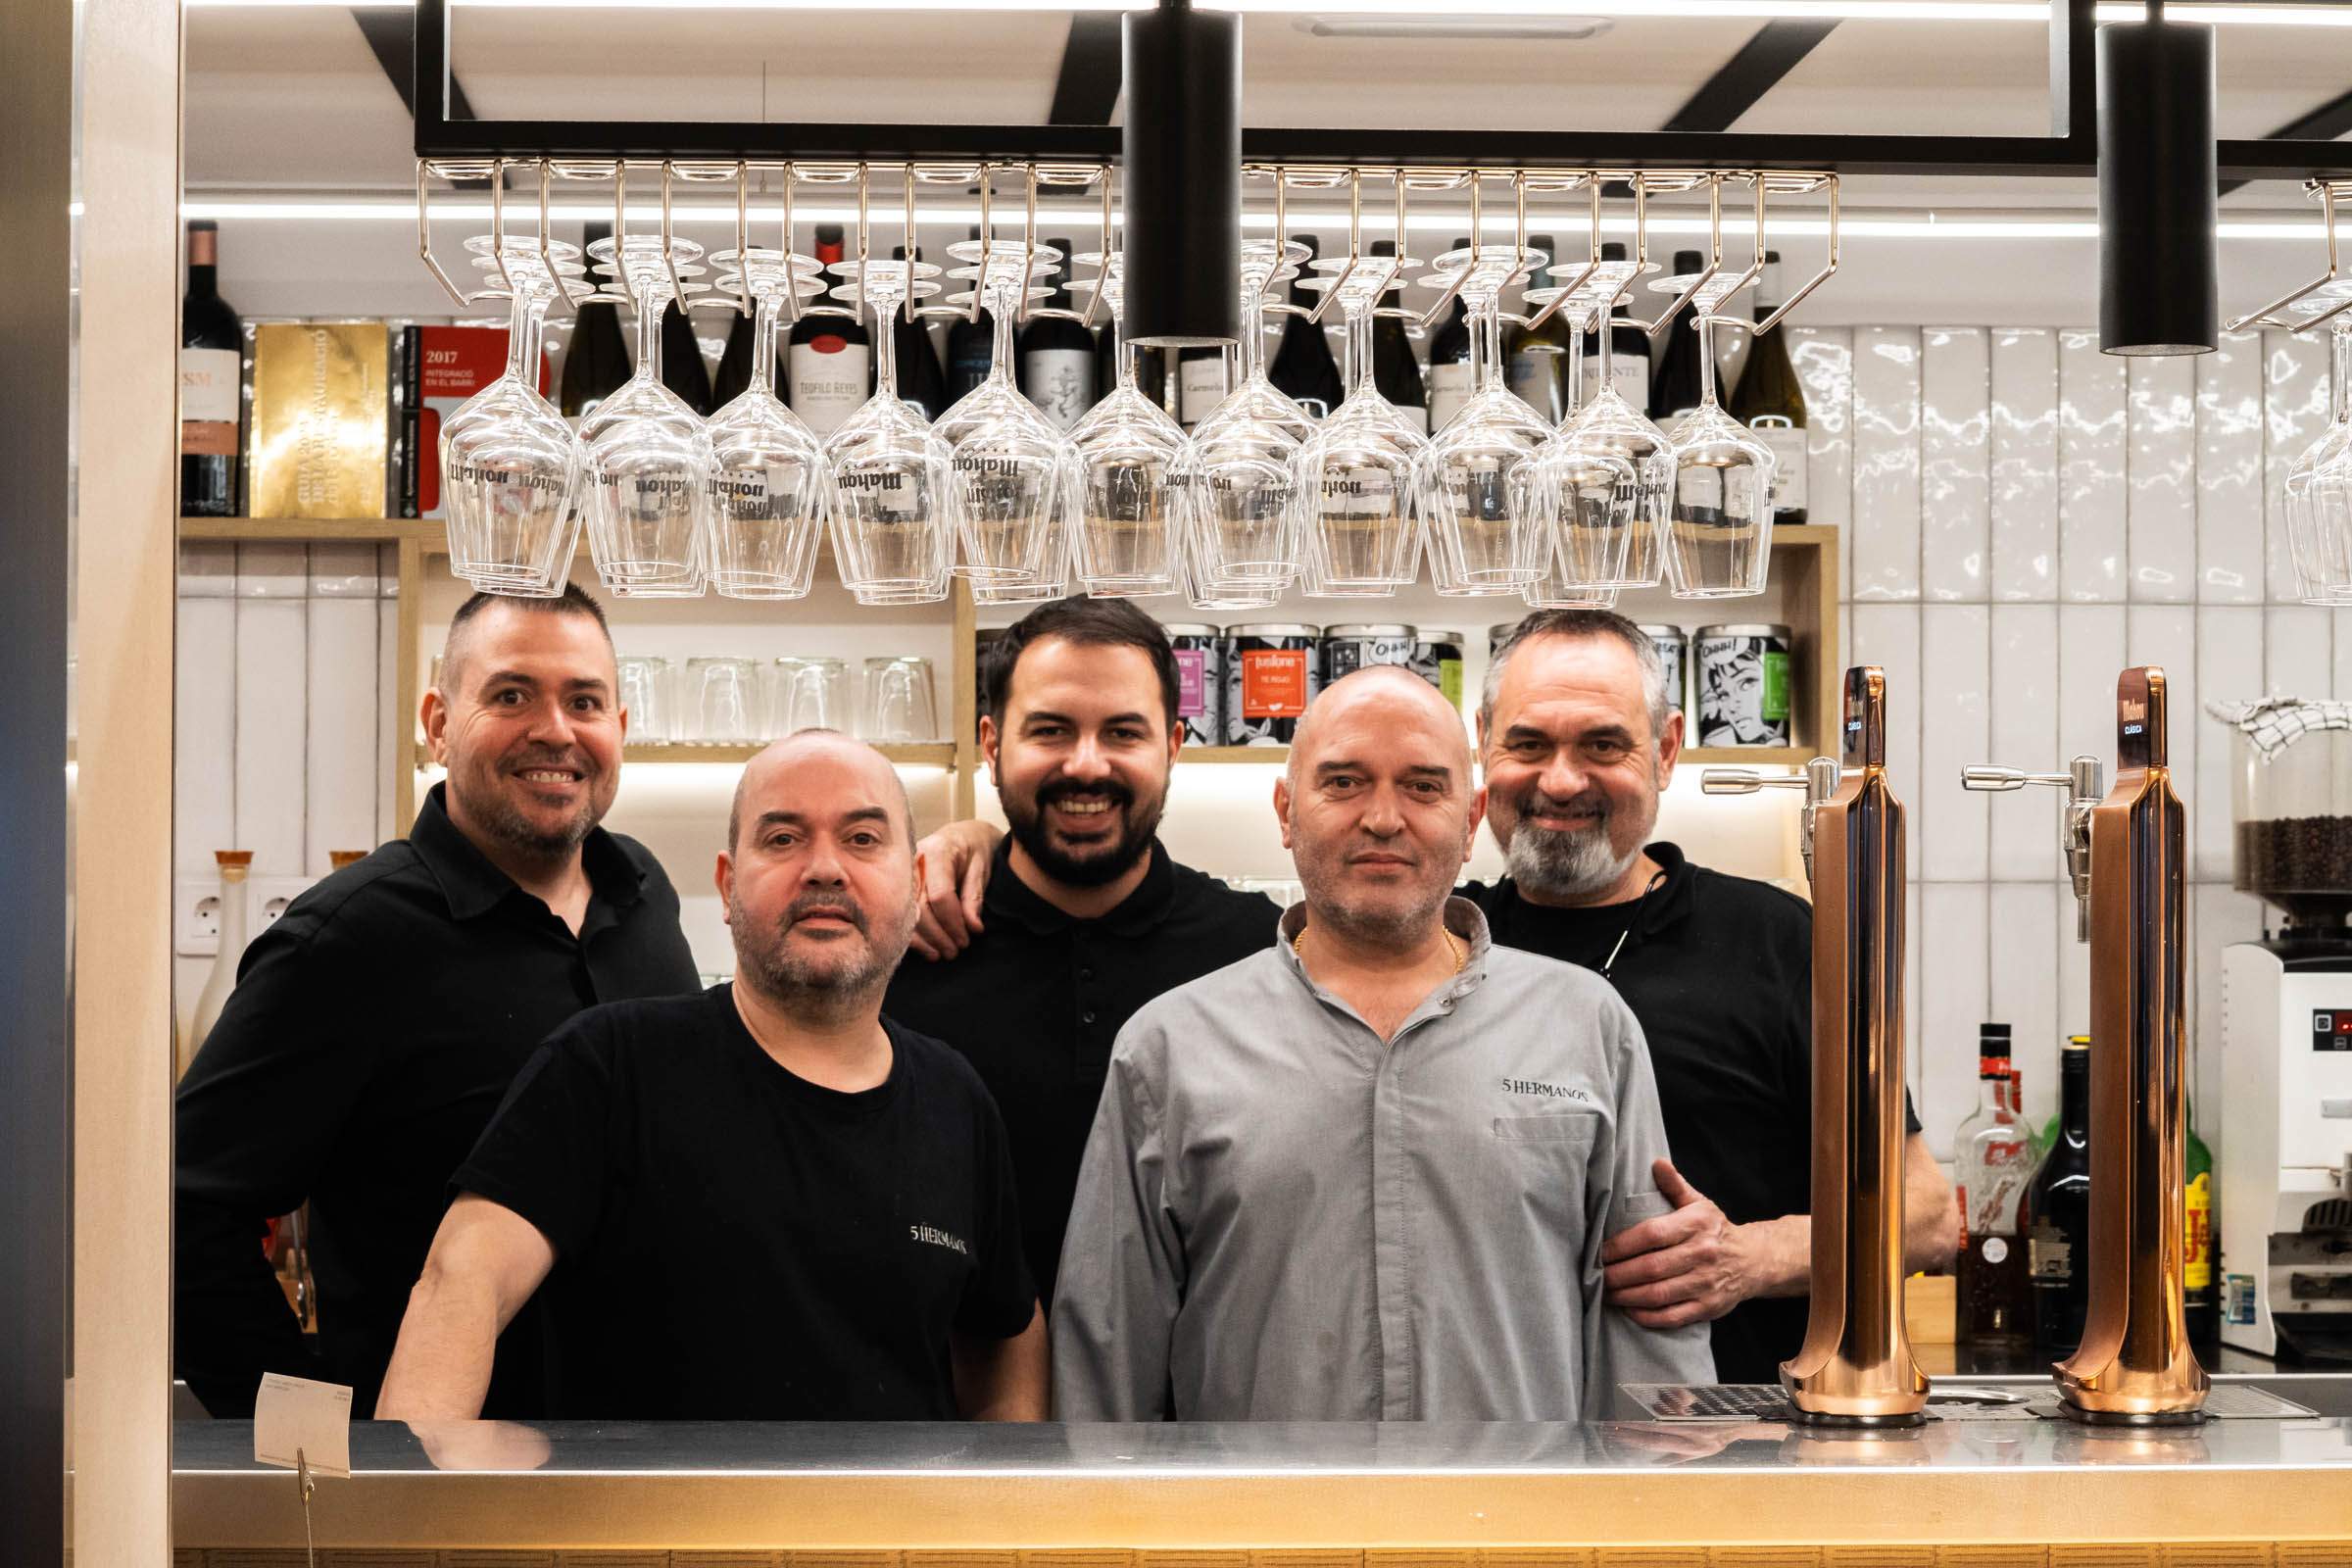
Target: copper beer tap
pixel 2128 856
pixel 1855 1367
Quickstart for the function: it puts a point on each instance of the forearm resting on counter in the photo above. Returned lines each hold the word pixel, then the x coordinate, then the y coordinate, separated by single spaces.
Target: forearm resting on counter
pixel 1002 1380
pixel 486 1261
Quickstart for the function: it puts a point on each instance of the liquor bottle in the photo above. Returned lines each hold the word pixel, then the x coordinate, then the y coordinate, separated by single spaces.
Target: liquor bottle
pixel 921 381
pixel 682 368
pixel 1395 372
pixel 1056 367
pixel 829 358
pixel 1450 359
pixel 596 364
pixel 2056 1213
pixel 972 342
pixel 212 357
pixel 1534 361
pixel 1629 350
pixel 1303 368
pixel 1771 402
pixel 1989 1160
pixel 1674 391
pixel 2204 1298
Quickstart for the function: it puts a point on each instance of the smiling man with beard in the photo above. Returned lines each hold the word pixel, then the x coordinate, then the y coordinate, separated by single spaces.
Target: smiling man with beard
pixel 840 1183
pixel 1085 918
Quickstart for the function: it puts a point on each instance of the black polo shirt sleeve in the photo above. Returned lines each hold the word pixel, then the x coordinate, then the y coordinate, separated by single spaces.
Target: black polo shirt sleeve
pixel 1001 1296
pixel 545 1153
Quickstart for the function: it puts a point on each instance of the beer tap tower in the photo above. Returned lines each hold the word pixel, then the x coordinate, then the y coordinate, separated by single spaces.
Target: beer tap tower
pixel 2126 854
pixel 1855 1367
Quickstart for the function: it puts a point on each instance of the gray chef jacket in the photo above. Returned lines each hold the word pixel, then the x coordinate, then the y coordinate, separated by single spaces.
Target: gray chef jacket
pixel 1283 1217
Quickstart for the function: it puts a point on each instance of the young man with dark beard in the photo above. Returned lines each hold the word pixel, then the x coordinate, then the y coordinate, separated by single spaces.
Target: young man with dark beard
pixel 1085 918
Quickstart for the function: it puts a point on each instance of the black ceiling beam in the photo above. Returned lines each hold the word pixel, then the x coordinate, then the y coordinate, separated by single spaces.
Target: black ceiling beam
pixel 1087 87
pixel 391 32
pixel 2325 123
pixel 1749 75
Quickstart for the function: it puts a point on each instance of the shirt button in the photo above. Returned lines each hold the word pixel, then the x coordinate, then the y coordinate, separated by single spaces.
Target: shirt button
pixel 1086 1018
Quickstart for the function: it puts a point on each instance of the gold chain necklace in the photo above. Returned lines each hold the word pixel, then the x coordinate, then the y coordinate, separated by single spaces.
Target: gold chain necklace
pixel 1453 946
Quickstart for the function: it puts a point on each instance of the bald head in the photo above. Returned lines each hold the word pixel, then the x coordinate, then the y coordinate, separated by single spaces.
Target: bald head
pixel 1382 696
pixel 769 773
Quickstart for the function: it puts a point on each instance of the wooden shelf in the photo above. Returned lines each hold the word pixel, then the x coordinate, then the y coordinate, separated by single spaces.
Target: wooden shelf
pixel 924 754
pixel 315 531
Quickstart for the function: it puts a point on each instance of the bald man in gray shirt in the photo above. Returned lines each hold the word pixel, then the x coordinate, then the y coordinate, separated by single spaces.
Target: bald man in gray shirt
pixel 1365 1175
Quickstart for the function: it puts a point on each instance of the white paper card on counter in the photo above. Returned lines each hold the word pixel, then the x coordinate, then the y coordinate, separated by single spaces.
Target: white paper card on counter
pixel 296 1415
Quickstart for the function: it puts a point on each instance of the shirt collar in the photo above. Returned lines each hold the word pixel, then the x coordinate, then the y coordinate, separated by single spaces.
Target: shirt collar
pixel 473 885
pixel 1462 917
pixel 1136 914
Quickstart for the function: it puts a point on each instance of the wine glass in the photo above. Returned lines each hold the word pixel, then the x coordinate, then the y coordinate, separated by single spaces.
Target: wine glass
pixel 1609 424
pixel 1239 469
pixel 648 451
pixel 510 463
pixel 2316 495
pixel 1355 472
pixel 1587 493
pixel 1012 474
pixel 887 468
pixel 1719 542
pixel 1128 539
pixel 1477 481
pixel 767 469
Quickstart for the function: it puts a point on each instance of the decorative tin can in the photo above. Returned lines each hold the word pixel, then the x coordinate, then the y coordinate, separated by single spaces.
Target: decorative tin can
pixel 1348 649
pixel 1272 672
pixel 1200 681
pixel 1673 652
pixel 1438 660
pixel 1740 680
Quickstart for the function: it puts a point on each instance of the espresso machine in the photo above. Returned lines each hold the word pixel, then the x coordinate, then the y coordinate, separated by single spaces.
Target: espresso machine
pixel 1855 1368
pixel 2126 854
pixel 2286 1157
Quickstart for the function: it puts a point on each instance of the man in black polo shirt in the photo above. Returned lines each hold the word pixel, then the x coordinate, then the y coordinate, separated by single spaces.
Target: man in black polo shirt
pixel 377 1024
pixel 1579 742
pixel 1085 918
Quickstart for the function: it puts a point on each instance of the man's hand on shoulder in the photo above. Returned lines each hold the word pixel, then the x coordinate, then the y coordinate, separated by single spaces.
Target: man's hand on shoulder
pixel 1690 1266
pixel 955 864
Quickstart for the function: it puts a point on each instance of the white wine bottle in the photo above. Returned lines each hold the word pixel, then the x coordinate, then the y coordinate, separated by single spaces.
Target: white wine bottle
pixel 1771 402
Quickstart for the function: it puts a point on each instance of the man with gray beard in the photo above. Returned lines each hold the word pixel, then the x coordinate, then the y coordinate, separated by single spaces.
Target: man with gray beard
pixel 1579 743
pixel 841 1183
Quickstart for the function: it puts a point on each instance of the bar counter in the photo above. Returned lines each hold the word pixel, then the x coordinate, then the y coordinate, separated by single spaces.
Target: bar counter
pixel 2261 1490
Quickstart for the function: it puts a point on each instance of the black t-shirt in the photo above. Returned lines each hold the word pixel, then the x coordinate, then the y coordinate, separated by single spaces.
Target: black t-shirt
pixel 736 1243
pixel 1719 972
pixel 1038 997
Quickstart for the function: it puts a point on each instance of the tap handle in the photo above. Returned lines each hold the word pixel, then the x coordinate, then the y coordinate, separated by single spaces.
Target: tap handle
pixel 2008 778
pixel 1746 781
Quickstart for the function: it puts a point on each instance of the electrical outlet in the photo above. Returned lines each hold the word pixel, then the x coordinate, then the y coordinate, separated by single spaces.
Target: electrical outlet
pixel 195 916
pixel 272 895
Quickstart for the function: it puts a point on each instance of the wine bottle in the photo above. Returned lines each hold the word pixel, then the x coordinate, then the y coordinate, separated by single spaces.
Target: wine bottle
pixel 734 372
pixel 596 364
pixel 1200 383
pixel 921 381
pixel 1394 370
pixel 212 357
pixel 1771 402
pixel 1303 370
pixel 2204 1298
pixel 1629 350
pixel 1450 359
pixel 682 368
pixel 1674 391
pixel 1056 367
pixel 830 359
pixel 2055 1215
pixel 1533 359
pixel 970 344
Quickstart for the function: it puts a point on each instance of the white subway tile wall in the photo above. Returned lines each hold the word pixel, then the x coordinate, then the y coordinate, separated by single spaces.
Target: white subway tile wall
pixel 2019 515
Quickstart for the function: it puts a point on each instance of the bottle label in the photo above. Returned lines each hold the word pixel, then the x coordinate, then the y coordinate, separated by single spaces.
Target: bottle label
pixel 1996 1250
pixel 2197 1272
pixel 828 376
pixel 1273 682
pixel 1960 1194
pixel 1775 686
pixel 208 402
pixel 1786 442
pixel 2048 1254
pixel 1449 390
pixel 1059 382
pixel 1192 682
pixel 1199 388
pixel 1415 414
pixel 1535 376
pixel 1629 373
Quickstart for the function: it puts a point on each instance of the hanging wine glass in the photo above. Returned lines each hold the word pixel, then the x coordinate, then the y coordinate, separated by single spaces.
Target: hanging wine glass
pixel 2316 497
pixel 1588 493
pixel 1477 481
pixel 648 451
pixel 1128 538
pixel 1357 471
pixel 510 463
pixel 1611 425
pixel 767 469
pixel 1012 474
pixel 887 468
pixel 1719 543
pixel 1239 469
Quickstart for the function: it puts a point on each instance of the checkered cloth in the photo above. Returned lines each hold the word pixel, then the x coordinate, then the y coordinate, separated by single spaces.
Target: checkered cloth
pixel 2273 723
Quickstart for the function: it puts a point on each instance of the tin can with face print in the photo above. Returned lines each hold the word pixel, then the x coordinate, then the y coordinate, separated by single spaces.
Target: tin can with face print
pixel 1348 649
pixel 1272 672
pixel 1200 652
pixel 1438 660
pixel 1673 652
pixel 1740 680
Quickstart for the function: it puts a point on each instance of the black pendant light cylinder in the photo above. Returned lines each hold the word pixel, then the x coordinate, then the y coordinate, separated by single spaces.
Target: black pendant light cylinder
pixel 2158 268
pixel 1183 155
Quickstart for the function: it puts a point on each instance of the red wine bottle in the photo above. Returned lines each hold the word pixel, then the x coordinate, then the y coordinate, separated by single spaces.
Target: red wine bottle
pixel 212 352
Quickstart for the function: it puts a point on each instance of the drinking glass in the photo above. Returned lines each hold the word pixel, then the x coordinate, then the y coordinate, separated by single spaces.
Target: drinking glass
pixel 648 690
pixel 648 453
pixel 1128 539
pixel 510 463
pixel 887 468
pixel 1357 471
pixel 899 706
pixel 1476 484
pixel 1013 474
pixel 1239 470
pixel 1586 491
pixel 807 692
pixel 1611 425
pixel 1719 543
pixel 2318 492
pixel 725 698
pixel 767 469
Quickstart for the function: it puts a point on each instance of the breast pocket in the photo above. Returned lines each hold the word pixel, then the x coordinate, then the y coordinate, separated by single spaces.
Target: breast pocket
pixel 1537 1166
